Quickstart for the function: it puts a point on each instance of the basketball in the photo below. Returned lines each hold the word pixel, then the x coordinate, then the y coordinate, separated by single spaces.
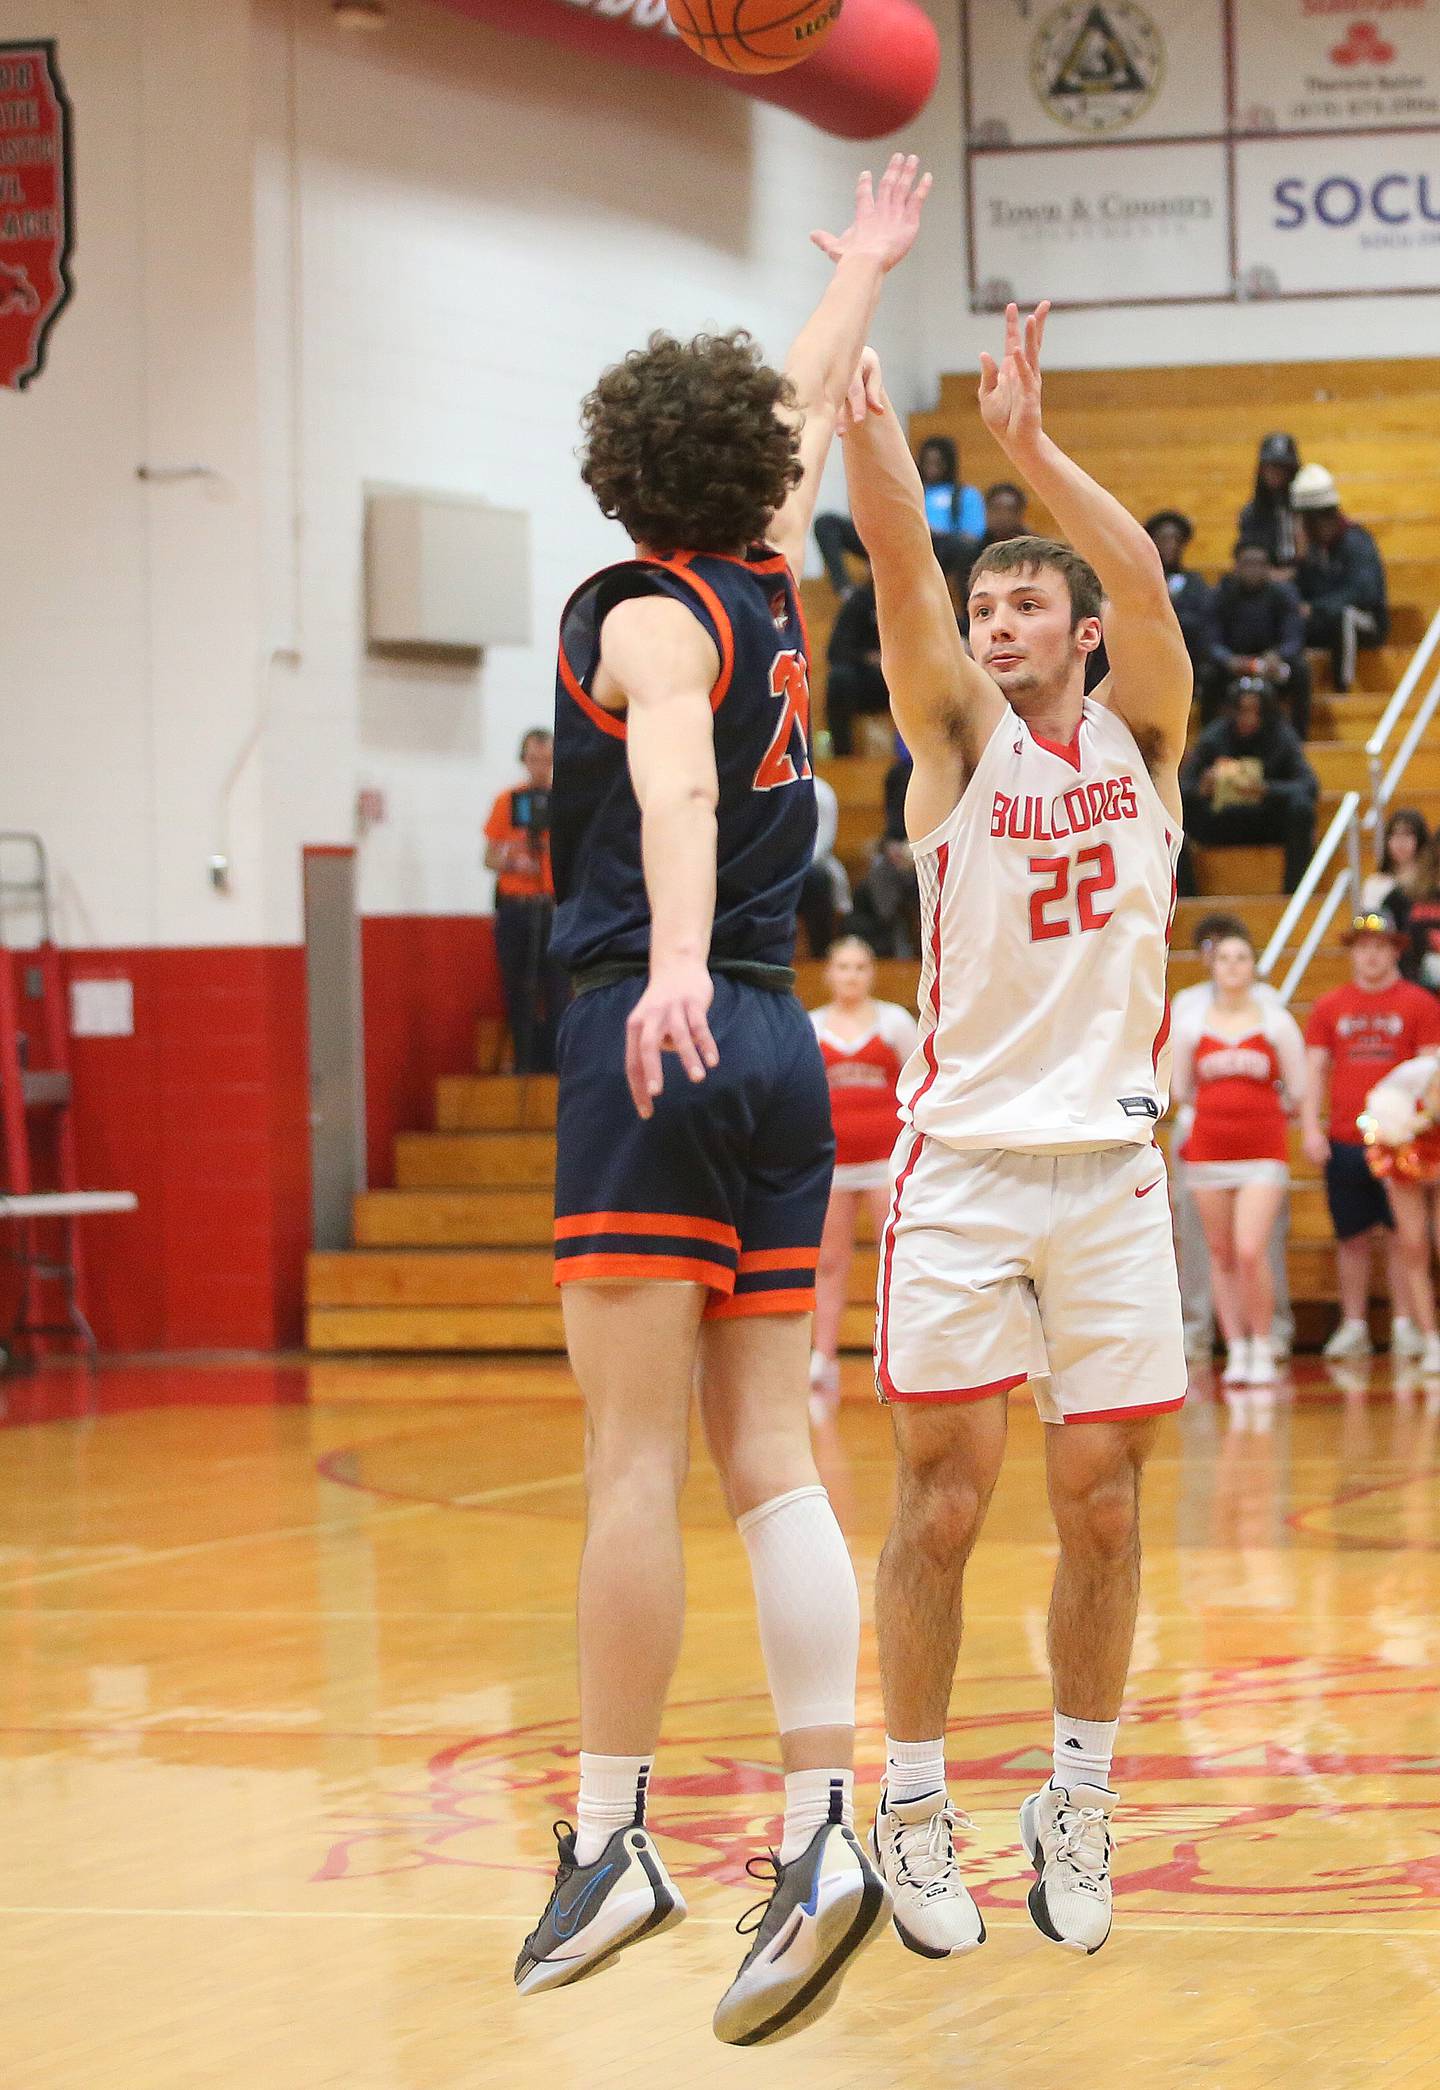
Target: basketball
pixel 754 36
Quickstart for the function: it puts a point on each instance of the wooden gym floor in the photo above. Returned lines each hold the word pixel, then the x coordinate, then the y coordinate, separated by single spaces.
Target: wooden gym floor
pixel 288 1711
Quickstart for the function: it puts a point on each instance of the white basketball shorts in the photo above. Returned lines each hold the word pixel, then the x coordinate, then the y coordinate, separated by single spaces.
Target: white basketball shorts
pixel 996 1268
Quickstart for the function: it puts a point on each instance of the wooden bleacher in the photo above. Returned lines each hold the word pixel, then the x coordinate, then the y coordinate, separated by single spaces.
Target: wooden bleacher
pixel 457 1257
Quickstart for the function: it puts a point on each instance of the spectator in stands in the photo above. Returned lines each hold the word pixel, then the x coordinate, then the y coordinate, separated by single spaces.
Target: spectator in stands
pixel 1171 533
pixel 1241 1061
pixel 1356 1035
pixel 1267 516
pixel 1188 1011
pixel 1341 576
pixel 825 895
pixel 1246 780
pixel 517 850
pixel 952 508
pixel 865 1044
pixel 855 685
pixel 886 910
pixel 956 512
pixel 1256 629
pixel 1416 912
pixel 1005 506
pixel 1407 833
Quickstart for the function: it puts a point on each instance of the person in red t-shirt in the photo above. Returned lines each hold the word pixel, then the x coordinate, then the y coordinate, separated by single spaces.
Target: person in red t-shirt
pixel 864 1044
pixel 517 850
pixel 1356 1035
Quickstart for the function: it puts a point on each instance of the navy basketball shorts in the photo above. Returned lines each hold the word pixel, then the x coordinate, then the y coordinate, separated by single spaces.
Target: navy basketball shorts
pixel 1357 1199
pixel 726 1185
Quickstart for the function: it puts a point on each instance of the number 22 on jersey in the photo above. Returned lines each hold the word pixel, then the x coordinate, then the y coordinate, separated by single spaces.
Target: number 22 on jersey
pixel 790 686
pixel 1050 900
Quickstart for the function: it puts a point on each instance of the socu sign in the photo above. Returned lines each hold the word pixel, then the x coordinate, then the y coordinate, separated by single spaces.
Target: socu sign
pixel 36 207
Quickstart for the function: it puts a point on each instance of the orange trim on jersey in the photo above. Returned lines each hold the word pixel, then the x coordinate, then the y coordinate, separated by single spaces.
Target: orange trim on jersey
pixel 680 565
pixel 674 1224
pixel 645 1269
pixel 748 1306
pixel 596 713
pixel 776 563
pixel 778 1259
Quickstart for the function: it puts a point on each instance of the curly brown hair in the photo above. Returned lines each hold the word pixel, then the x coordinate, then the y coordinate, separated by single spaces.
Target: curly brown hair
pixel 685 444
pixel 1044 554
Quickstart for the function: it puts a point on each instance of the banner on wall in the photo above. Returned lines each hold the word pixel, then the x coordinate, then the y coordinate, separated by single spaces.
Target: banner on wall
pixel 1070 225
pixel 1336 214
pixel 1138 151
pixel 1321 65
pixel 1074 72
pixel 35 207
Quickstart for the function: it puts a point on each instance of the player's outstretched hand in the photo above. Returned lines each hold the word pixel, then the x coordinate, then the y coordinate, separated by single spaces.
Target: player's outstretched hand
pixel 1010 389
pixel 866 395
pixel 887 218
pixel 670 1016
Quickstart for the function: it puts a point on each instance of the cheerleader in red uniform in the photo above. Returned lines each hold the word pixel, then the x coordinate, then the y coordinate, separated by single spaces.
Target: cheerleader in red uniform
pixel 865 1044
pixel 1242 1064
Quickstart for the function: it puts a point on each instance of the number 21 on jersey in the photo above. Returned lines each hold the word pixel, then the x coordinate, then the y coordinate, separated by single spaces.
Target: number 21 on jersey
pixel 790 686
pixel 1050 899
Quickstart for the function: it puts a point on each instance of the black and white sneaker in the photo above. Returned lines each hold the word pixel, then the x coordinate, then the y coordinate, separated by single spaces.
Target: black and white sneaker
pixel 825 1906
pixel 914 1846
pixel 1066 1832
pixel 594 1911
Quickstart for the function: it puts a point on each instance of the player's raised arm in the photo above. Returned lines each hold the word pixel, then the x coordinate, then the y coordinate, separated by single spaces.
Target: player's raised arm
pixel 663 660
pixel 1150 678
pixel 945 706
pixel 826 352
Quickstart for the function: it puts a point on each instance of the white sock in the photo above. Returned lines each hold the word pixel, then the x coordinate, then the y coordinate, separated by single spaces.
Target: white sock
pixel 915 1770
pixel 612 1795
pixel 811 1799
pixel 808 1606
pixel 1084 1750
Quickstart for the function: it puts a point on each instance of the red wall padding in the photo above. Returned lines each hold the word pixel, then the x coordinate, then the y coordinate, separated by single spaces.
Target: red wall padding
pixel 203 1113
pixel 872 75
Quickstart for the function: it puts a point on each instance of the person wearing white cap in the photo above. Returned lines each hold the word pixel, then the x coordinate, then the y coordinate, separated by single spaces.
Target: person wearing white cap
pixel 1340 576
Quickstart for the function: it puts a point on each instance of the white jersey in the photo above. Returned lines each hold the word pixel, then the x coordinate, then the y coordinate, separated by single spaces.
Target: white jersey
pixel 1046 902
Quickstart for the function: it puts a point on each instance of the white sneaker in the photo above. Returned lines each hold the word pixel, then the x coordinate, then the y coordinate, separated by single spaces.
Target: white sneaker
pixel 914 1846
pixel 1237 1364
pixel 1262 1362
pixel 1351 1339
pixel 1430 1357
pixel 1066 1833
pixel 1405 1338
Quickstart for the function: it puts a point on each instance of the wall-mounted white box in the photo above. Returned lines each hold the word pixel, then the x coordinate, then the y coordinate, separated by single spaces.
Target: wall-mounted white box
pixel 445 572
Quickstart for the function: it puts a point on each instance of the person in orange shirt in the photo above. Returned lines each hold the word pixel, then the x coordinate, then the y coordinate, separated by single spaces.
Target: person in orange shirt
pixel 517 850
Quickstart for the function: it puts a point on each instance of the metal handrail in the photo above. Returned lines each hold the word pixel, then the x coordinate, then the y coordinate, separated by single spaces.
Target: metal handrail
pixel 1393 774
pixel 1381 787
pixel 1344 828
pixel 1316 934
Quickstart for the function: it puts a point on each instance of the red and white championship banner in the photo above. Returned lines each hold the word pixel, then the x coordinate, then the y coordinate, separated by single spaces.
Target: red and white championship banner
pixel 35 207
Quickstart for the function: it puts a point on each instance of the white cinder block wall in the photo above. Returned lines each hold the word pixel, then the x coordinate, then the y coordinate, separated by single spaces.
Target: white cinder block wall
pixel 460 229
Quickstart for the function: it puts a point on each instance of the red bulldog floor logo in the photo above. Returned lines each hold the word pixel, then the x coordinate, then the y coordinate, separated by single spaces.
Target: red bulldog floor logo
pixel 36 207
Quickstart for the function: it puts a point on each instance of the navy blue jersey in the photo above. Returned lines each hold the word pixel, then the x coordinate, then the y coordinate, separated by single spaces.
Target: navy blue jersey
pixel 766 812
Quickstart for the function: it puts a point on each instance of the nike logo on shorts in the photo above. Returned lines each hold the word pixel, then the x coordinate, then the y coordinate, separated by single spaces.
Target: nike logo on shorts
pixel 1150 1186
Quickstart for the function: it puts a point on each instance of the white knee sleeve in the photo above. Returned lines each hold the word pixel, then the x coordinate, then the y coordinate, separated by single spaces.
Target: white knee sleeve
pixel 809 1608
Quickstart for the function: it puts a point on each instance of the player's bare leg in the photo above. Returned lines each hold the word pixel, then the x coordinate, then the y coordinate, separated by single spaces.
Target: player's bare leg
pixel 949 1462
pixel 754 1399
pixel 1093 1470
pixel 611 1887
